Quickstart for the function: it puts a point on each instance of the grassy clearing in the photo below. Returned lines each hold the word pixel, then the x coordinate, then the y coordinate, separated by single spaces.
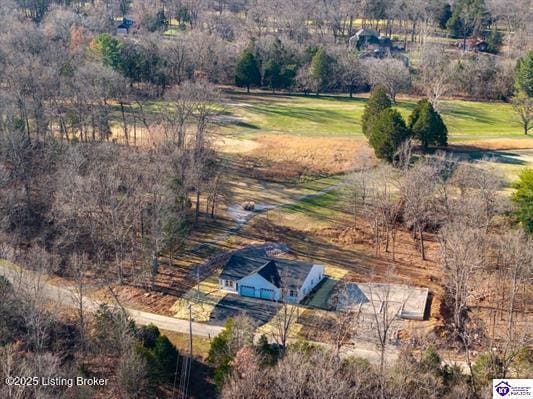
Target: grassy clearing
pixel 320 299
pixel 507 164
pixel 289 156
pixel 200 346
pixel 336 116
pixel 8 265
pixel 322 206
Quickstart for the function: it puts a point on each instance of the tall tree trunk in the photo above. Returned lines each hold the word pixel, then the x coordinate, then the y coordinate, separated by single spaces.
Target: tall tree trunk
pixel 422 249
pixel 124 123
pixel 197 211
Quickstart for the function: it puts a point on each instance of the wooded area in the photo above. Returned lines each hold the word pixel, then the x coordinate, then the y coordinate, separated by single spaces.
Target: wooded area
pixel 113 121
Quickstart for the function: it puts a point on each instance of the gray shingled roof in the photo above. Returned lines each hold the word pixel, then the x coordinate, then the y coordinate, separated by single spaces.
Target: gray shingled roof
pixel 241 265
pixel 280 272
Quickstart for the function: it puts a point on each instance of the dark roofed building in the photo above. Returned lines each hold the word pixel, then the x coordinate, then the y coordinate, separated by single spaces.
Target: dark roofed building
pixel 473 44
pixel 239 266
pixel 259 276
pixel 371 44
pixel 125 26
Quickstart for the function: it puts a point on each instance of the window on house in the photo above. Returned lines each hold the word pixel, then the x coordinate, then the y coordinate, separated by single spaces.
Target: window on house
pixel 228 283
pixel 293 293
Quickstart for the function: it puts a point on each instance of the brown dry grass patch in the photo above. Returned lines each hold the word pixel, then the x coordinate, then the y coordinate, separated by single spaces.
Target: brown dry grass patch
pixel 291 156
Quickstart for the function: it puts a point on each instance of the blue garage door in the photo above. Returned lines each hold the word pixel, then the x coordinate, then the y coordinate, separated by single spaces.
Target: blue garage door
pixel 267 294
pixel 247 291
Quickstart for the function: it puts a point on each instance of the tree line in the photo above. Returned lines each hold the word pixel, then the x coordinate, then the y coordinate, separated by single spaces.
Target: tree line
pixel 38 339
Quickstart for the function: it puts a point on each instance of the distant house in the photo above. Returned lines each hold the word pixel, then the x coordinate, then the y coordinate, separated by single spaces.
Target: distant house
pixel 371 44
pixel 473 44
pixel 250 275
pixel 125 26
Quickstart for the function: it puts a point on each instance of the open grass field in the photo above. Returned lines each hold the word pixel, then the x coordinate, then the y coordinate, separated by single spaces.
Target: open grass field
pixel 296 135
pixel 340 116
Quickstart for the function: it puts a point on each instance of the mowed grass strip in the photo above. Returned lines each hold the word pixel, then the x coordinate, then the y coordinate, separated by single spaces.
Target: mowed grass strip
pixel 321 206
pixel 330 116
pixel 320 299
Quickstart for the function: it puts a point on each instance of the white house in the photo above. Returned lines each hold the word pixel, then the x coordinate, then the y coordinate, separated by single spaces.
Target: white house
pixel 269 278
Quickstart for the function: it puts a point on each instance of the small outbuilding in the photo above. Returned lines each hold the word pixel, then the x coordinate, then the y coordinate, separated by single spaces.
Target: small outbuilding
pixel 474 44
pixel 125 26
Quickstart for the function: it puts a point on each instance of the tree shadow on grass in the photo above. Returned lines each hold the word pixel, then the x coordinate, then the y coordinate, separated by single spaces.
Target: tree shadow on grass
pixel 260 311
pixel 475 154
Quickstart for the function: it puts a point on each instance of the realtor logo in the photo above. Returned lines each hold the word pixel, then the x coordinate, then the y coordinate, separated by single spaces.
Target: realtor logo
pixel 512 388
pixel 503 388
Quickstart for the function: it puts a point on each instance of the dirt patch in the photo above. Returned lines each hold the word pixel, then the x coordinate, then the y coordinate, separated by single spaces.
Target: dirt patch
pixel 139 298
pixel 236 146
pixel 336 243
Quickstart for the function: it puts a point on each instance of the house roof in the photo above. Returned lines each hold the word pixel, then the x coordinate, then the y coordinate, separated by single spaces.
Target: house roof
pixel 280 272
pixel 126 23
pixel 241 265
pixel 367 32
pixel 285 273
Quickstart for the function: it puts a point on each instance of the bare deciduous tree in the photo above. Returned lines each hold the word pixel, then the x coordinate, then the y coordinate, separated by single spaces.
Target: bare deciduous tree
pixel 390 73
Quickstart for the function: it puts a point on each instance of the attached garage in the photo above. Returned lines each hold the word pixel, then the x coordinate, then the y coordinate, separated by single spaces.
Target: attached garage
pixel 246 290
pixel 267 294
pixel 256 275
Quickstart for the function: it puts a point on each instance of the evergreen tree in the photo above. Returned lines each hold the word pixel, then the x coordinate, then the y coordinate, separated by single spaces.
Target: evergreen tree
pixel 523 98
pixel 378 101
pixel 469 17
pixel 387 133
pixel 320 69
pixel 157 22
pixel 444 15
pixel 160 355
pixel 288 76
pixel 494 40
pixel 247 72
pixel 109 49
pixel 167 357
pixel 427 126
pixel 524 74
pixel 279 71
pixel 273 77
pixel 237 333
pixel 124 7
pixel 523 199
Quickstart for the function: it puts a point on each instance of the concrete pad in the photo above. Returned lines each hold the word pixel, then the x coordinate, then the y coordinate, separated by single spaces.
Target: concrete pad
pixel 405 301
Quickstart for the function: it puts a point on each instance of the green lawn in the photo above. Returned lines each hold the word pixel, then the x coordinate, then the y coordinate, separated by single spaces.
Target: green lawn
pixel 341 116
pixel 321 206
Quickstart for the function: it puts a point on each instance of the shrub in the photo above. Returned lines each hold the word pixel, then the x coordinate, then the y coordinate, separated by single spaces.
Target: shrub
pixel 378 101
pixel 427 126
pixel 523 199
pixel 388 132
